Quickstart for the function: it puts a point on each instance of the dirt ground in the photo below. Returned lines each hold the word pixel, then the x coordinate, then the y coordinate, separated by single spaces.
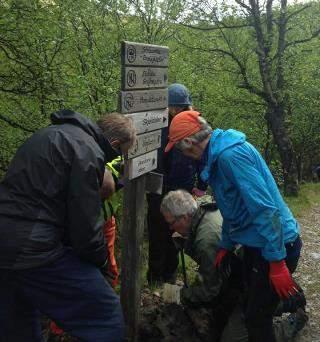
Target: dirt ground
pixel 308 273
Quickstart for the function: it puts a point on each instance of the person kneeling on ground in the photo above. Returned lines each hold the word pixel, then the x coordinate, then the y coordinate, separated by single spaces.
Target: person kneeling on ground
pixel 199 223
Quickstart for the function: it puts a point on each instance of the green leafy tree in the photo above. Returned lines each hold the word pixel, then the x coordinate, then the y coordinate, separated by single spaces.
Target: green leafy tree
pixel 256 38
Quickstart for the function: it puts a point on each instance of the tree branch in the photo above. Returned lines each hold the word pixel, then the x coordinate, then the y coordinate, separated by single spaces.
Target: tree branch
pixel 246 84
pixel 224 26
pixel 297 12
pixel 300 41
pixel 243 5
pixel 14 124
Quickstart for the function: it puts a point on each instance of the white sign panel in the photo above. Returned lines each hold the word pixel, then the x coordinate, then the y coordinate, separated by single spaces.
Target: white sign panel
pixel 144 54
pixel 144 78
pixel 142 164
pixel 145 143
pixel 150 120
pixel 140 100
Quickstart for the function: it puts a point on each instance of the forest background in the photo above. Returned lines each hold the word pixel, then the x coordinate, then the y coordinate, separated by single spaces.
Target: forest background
pixel 250 65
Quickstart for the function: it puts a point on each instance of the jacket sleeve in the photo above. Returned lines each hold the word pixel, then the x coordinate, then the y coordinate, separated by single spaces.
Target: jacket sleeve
pixel 209 288
pixel 242 172
pixel 225 242
pixel 85 218
pixel 205 250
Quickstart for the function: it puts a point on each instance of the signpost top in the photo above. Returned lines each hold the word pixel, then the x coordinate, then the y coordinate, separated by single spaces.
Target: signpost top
pixel 144 54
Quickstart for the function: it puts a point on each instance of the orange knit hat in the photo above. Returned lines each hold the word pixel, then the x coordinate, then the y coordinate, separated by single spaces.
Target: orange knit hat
pixel 183 125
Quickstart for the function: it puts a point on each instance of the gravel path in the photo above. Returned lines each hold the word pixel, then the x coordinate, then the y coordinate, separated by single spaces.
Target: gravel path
pixel 308 273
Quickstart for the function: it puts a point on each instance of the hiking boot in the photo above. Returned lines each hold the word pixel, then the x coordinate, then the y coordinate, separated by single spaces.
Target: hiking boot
pixel 298 320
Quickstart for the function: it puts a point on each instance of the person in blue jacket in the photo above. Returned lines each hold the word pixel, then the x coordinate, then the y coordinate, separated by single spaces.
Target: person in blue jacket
pixel 254 215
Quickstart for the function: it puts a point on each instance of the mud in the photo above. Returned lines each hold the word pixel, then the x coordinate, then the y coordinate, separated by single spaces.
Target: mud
pixel 172 322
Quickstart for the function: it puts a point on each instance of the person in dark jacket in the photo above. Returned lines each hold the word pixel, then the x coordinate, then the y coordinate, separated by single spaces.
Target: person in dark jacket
pixel 51 238
pixel 254 215
pixel 179 172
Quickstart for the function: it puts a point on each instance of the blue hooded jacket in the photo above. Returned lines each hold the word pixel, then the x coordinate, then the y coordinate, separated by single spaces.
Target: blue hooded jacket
pixel 252 207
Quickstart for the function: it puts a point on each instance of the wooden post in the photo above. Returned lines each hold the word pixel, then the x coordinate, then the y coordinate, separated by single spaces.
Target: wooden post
pixel 132 240
pixel 144 98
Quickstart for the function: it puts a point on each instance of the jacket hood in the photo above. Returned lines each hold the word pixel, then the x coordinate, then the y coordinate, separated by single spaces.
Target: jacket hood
pixel 220 141
pixel 70 117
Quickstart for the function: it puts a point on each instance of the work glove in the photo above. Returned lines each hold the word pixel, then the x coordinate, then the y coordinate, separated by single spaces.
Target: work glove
pixel 109 276
pixel 291 304
pixel 281 279
pixel 171 293
pixel 222 262
pixel 197 192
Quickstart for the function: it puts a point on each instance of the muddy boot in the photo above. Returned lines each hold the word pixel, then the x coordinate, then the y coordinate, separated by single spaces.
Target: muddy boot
pixel 298 320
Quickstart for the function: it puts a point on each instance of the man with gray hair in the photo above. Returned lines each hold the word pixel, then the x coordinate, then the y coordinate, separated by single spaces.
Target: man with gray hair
pixel 254 215
pixel 199 223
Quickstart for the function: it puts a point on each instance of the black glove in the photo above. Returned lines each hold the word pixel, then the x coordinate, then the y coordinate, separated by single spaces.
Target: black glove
pixel 291 304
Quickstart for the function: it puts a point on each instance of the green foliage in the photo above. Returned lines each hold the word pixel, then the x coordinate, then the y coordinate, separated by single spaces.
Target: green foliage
pixel 64 53
pixel 309 195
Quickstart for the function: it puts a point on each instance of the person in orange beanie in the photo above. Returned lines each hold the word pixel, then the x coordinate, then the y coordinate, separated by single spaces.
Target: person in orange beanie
pixel 254 215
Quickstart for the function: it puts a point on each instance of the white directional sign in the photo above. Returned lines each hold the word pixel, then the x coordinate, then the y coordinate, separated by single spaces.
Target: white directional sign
pixel 140 100
pixel 149 120
pixel 145 143
pixel 144 77
pixel 144 54
pixel 142 164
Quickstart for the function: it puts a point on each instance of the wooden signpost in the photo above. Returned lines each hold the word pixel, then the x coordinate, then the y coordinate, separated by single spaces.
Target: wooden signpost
pixel 150 120
pixel 144 98
pixel 144 77
pixel 144 54
pixel 145 143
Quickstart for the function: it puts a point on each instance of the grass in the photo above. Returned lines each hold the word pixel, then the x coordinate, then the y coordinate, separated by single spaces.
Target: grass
pixel 309 196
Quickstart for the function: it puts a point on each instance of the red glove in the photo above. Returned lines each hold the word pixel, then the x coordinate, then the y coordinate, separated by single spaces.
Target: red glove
pixel 281 279
pixel 220 255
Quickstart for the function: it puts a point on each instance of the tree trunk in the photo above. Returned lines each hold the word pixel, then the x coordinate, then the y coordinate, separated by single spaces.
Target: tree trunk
pixel 275 118
pixel 267 147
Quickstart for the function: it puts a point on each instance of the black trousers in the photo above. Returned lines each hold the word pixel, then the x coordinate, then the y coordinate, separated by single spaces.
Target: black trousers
pixel 261 299
pixel 70 291
pixel 230 296
pixel 163 256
